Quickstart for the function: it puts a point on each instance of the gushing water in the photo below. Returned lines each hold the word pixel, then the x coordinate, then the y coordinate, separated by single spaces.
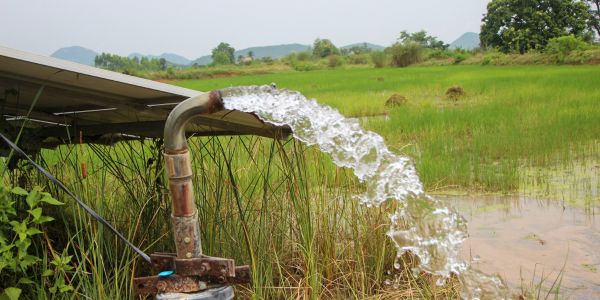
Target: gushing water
pixel 421 225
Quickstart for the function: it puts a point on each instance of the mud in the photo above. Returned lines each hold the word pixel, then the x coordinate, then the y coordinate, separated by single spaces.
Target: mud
pixel 536 246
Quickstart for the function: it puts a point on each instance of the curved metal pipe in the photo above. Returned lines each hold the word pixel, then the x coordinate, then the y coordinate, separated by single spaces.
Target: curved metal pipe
pixel 174 134
pixel 179 170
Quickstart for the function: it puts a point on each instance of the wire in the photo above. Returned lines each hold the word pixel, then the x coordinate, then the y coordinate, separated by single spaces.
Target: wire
pixel 90 211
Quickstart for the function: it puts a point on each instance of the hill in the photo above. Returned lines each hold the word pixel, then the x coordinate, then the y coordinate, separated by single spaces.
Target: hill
pixel 76 54
pixel 467 41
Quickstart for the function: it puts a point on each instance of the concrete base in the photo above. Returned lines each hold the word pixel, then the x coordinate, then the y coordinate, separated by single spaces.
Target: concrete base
pixel 221 293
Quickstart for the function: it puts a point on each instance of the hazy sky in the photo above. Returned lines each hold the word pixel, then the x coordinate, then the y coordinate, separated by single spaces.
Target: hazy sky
pixel 191 28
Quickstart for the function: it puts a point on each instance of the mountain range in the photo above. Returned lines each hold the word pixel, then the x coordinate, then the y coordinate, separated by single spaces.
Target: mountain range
pixel 469 40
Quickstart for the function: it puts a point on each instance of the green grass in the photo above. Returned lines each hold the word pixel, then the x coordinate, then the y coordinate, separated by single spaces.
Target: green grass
pixel 511 118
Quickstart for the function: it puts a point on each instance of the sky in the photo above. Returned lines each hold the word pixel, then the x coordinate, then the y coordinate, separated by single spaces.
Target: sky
pixel 193 27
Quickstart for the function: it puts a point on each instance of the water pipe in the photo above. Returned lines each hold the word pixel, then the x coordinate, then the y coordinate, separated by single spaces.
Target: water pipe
pixel 179 170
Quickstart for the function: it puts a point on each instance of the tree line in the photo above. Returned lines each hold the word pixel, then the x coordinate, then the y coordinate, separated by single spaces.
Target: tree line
pixel 508 26
pixel 125 64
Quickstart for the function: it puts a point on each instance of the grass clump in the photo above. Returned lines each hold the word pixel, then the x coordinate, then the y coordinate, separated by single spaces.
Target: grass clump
pixel 395 100
pixel 455 93
pixel 406 54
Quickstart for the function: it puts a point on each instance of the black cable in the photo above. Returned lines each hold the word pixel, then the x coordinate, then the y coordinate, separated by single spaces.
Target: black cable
pixel 90 211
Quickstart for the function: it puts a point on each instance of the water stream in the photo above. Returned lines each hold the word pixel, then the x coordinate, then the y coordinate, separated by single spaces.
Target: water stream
pixel 422 224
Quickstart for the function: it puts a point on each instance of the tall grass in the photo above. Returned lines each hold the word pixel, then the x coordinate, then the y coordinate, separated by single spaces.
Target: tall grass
pixel 278 206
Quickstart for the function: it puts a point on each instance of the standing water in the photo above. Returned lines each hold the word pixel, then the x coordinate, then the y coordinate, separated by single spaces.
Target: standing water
pixel 422 225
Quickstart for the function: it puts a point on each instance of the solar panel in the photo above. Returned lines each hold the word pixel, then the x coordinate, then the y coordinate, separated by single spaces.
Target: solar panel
pixel 99 105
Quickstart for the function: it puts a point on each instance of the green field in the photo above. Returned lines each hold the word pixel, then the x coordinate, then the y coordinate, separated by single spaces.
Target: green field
pixel 511 119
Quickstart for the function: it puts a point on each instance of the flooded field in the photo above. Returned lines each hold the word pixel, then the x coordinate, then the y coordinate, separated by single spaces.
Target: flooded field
pixel 539 247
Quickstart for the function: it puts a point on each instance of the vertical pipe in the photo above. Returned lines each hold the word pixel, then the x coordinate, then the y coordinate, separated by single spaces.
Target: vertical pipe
pixel 179 170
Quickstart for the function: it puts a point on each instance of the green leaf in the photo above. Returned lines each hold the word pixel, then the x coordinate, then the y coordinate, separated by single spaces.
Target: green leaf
pixel 25 280
pixel 36 213
pixel 12 293
pixel 47 273
pixel 27 261
pixel 44 219
pixel 66 288
pixel 33 198
pixel 23 245
pixel 19 191
pixel 66 259
pixel 3 264
pixel 20 229
pixel 48 199
pixel 33 231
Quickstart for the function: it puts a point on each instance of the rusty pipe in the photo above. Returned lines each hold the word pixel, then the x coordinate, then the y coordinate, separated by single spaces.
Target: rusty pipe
pixel 179 170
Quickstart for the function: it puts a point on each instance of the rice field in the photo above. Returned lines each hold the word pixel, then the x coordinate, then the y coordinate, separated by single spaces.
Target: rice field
pixel 511 119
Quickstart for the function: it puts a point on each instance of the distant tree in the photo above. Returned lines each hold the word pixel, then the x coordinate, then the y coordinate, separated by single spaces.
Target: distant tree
pixel 220 58
pixel 595 12
pixel 519 25
pixel 240 59
pixel 357 49
pixel 162 63
pixel 421 38
pixel 323 48
pixel 222 51
pixel 128 65
pixel 250 54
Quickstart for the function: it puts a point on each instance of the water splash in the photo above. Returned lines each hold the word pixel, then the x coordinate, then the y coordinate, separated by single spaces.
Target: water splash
pixel 421 225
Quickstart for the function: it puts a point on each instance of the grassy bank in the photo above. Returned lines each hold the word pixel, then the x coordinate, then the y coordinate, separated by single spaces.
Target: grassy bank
pixel 510 118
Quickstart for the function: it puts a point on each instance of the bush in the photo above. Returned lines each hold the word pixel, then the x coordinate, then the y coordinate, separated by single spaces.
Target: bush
pixel 267 60
pixel 590 56
pixel 303 56
pixel 304 66
pixel 358 59
pixel 495 58
pixel 379 59
pixel 334 61
pixel 404 55
pixel 460 56
pixel 23 253
pixel 562 46
pixel 439 54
